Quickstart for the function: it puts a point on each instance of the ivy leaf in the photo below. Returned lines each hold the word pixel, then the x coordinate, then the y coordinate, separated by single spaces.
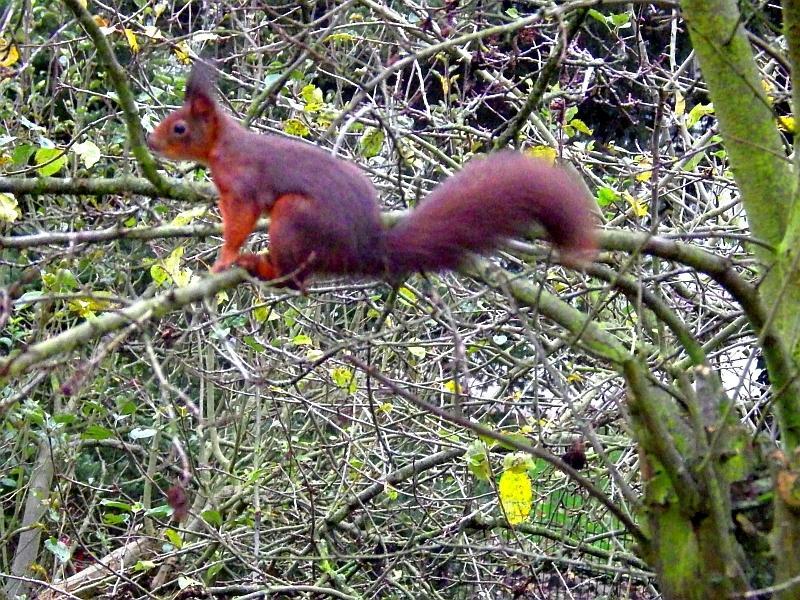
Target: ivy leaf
pixel 620 19
pixel 144 565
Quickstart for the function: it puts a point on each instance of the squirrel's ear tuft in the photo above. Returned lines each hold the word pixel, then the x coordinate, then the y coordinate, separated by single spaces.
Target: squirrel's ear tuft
pixel 201 81
pixel 200 96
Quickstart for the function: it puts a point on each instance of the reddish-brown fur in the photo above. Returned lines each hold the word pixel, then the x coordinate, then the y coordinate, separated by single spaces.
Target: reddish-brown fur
pixel 324 212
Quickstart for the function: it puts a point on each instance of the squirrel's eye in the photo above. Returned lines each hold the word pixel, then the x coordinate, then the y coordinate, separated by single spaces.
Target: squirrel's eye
pixel 179 128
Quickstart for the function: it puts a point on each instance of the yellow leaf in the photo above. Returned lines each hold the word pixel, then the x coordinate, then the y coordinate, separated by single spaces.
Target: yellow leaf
pixel 9 209
pixel 645 169
pixel 132 41
pixel 787 123
pixel 580 126
pixel 88 307
pixel 680 104
pixel 83 3
pixel 342 37
pixel 153 32
pixel 574 377
pixel 295 127
pixel 312 98
pixel 546 153
pixel 169 268
pixel 445 83
pixel 639 207
pixel 769 90
pixel 452 387
pixel 187 216
pixel 181 50
pixel 516 496
pixel 8 53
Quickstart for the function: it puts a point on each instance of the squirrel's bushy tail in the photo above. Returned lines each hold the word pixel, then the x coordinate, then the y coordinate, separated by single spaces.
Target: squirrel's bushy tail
pixel 489 200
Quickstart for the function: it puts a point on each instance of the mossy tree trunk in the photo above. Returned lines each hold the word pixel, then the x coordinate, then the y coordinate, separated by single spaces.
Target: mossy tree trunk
pixel 698 464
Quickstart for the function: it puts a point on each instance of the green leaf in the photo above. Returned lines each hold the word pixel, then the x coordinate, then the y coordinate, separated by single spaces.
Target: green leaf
pixel 44 156
pixel 302 340
pixel 65 418
pixel 144 565
pixel 597 16
pixel 620 19
pixel 312 98
pixel 22 154
pixel 417 351
pixel 606 196
pixel 580 126
pixel 62 281
pixel 115 519
pixel 59 549
pixel 253 344
pixel 698 111
pixel 340 37
pixel 345 379
pixel 371 142
pixel 477 458
pixel 691 164
pixel 174 538
pixel 117 504
pixel 212 517
pixel 97 432
pixel 212 571
pixel 390 492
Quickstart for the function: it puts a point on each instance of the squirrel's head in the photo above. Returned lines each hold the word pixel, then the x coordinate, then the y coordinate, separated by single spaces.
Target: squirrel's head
pixel 189 133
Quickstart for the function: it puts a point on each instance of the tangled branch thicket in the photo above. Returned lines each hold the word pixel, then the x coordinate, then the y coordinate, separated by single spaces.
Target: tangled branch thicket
pixel 307 474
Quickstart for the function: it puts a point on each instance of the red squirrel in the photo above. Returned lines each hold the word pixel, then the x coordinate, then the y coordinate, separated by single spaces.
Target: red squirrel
pixel 324 213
